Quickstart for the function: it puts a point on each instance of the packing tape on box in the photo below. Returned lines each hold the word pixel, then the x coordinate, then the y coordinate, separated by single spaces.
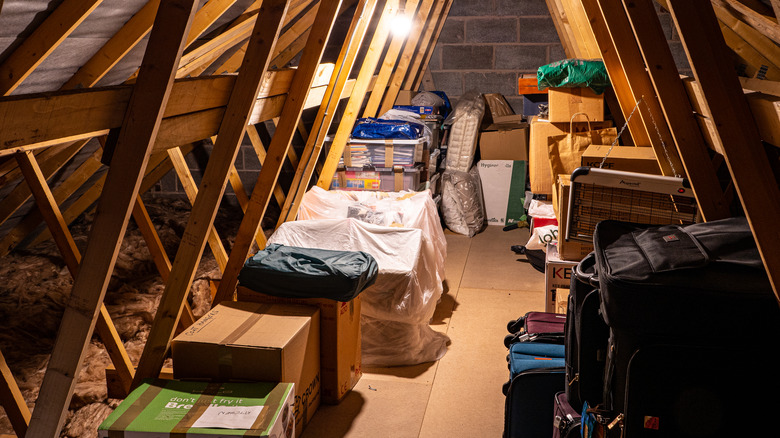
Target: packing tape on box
pixel 135 409
pixel 198 408
pixel 389 153
pixel 224 351
pixel 398 178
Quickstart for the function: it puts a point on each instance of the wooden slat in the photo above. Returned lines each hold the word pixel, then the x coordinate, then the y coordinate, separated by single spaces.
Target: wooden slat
pixel 42 42
pixel 431 45
pixel 355 102
pixel 677 108
pixel 765 47
pixel 619 78
pixel 588 48
pixel 744 153
pixel 12 401
pixel 399 73
pixel 388 64
pixel 144 114
pixel 761 23
pixel 322 122
pixel 563 28
pixel 70 254
pixel 640 86
pixel 231 132
pixel 417 64
pixel 280 143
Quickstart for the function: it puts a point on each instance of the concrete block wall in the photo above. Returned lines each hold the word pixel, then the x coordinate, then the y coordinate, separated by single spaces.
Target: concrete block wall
pixel 485 45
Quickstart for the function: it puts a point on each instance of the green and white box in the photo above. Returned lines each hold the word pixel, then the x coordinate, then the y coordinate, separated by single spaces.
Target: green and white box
pixel 167 408
pixel 503 188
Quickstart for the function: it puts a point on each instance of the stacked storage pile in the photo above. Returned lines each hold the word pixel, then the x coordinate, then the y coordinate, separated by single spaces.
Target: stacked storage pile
pixel 402 232
pixel 644 348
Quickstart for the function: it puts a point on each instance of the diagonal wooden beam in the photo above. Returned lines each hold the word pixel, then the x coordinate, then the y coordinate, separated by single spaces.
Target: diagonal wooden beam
pixel 231 132
pixel 280 143
pixel 322 122
pixel 70 254
pixel 42 42
pixel 388 64
pixel 760 22
pixel 742 148
pixel 130 157
pixel 358 95
pixel 428 44
pixel 677 109
pixel 410 48
pixel 12 401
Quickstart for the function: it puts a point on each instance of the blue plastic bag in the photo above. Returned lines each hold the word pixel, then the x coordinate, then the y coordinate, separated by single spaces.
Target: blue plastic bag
pixel 372 128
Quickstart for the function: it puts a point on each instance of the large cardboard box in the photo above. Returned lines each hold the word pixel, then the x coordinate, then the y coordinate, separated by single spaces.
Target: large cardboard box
pixel 557 275
pixel 540 173
pixel 340 354
pixel 569 250
pixel 170 408
pixel 628 158
pixel 255 342
pixel 565 102
pixel 503 190
pixel 505 141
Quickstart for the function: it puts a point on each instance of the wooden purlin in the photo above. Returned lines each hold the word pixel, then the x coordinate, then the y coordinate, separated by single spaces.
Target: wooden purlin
pixel 242 98
pixel 740 34
pixel 743 151
pixel 144 114
pixel 678 112
pixel 764 24
pixel 563 28
pixel 324 118
pixel 279 146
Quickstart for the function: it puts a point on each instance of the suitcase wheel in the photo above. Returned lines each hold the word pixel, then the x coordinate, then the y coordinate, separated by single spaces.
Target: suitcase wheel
pixel 509 340
pixel 516 325
pixel 505 387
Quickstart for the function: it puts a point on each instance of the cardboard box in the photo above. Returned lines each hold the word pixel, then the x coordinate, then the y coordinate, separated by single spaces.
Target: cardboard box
pixel 569 250
pixel 405 97
pixel 498 110
pixel 504 142
pixel 340 354
pixel 529 84
pixel 628 158
pixel 565 102
pixel 168 408
pixel 557 275
pixel 503 190
pixel 539 172
pixel 255 342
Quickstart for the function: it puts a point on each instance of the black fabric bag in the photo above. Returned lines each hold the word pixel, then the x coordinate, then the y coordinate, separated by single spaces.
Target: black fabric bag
pixel 294 272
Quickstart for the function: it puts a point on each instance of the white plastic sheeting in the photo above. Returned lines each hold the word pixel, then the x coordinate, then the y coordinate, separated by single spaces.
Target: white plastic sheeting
pixel 402 231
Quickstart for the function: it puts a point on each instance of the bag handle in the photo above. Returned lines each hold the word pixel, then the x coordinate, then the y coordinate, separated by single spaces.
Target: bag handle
pixel 571 127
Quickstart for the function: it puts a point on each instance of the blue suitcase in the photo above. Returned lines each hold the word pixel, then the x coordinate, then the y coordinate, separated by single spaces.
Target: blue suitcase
pixel 536 374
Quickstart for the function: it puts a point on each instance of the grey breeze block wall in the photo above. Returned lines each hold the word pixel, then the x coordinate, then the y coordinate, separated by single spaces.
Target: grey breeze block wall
pixel 485 45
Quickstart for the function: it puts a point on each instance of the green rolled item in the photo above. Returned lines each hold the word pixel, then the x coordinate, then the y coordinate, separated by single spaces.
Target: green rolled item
pixel 574 73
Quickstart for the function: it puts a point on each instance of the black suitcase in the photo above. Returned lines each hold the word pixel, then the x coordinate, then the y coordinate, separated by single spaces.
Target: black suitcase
pixel 536 327
pixel 567 421
pixel 586 337
pixel 536 375
pixel 681 286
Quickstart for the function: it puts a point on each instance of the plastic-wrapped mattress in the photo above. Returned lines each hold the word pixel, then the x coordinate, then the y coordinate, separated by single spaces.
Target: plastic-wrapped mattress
pixel 400 301
pixel 464 123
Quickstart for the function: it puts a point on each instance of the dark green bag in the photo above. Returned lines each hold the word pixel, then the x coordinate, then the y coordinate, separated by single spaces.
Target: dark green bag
pixel 293 272
pixel 585 73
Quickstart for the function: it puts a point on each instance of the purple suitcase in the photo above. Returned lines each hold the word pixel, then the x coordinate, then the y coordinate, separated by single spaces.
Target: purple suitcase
pixel 566 420
pixel 537 327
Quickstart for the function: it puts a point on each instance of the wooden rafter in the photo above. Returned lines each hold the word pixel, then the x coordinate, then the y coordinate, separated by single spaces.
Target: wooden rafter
pixel 145 111
pixel 12 401
pixel 231 131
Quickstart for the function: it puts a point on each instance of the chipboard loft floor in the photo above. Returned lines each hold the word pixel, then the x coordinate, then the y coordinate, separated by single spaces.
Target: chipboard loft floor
pixel 459 395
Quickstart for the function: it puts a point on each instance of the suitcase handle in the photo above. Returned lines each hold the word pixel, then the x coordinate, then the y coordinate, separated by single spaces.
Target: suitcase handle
pixel 585 270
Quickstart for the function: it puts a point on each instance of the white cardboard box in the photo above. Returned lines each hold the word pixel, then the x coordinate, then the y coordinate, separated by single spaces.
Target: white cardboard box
pixel 557 275
pixel 503 189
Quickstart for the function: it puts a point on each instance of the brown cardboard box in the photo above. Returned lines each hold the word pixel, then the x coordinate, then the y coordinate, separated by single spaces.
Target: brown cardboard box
pixel 565 102
pixel 561 300
pixel 569 250
pixel 539 172
pixel 341 357
pixel 504 142
pixel 628 158
pixel 255 342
